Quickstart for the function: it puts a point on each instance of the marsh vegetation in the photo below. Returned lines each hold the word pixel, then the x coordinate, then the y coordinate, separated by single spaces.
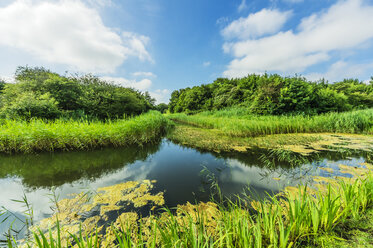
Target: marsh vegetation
pixel 238 123
pixel 66 135
pixel 280 162
pixel 305 215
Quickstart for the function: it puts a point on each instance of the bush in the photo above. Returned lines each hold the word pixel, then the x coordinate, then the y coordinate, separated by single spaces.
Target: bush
pixel 329 100
pixel 29 106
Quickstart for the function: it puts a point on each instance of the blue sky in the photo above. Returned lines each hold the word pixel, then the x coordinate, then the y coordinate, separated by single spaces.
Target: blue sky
pixel 159 46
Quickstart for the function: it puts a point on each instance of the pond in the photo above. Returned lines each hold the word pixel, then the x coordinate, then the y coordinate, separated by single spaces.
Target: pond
pixel 183 174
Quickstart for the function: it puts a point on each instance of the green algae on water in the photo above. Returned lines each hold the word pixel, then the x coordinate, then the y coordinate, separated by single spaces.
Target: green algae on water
pixel 93 212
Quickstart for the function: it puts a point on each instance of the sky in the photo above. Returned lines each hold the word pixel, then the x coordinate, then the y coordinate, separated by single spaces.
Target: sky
pixel 160 46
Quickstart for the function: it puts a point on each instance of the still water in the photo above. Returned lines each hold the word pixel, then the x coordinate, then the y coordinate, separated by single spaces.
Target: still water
pixel 183 174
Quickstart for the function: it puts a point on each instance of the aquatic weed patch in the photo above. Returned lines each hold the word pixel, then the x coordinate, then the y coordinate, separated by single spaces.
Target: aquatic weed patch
pixel 300 216
pixel 94 211
pixel 302 143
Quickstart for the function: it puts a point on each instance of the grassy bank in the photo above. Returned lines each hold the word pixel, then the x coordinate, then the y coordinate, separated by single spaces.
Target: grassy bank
pixel 62 135
pixel 237 122
pixel 322 215
pixel 302 143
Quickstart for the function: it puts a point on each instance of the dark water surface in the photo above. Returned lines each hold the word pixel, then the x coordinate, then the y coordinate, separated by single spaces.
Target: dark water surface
pixel 184 174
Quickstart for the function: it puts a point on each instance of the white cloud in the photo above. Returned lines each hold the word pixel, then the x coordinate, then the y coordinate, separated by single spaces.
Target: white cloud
pixel 222 20
pixel 341 70
pixel 161 96
pixel 206 63
pixel 260 23
pixel 8 79
pixel 368 81
pixel 135 45
pixel 100 3
pixel 141 85
pixel 344 26
pixel 242 6
pixel 144 74
pixel 69 33
pixel 294 1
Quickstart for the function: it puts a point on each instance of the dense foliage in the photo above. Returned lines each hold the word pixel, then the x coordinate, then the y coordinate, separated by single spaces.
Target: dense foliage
pixel 162 107
pixel 273 94
pixel 40 93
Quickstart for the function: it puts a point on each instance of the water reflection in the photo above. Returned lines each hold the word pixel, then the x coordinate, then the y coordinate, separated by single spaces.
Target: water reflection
pixel 55 169
pixel 178 171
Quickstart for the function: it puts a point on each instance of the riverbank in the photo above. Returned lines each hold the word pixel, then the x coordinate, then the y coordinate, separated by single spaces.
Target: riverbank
pixel 304 143
pixel 234 131
pixel 62 135
pixel 236 122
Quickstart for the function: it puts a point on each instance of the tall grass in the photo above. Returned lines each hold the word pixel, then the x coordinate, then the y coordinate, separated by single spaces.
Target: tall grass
pixel 65 135
pixel 290 220
pixel 237 122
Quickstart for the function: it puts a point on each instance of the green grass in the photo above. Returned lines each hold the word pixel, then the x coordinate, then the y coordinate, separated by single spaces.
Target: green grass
pixel 297 219
pixel 237 122
pixel 64 135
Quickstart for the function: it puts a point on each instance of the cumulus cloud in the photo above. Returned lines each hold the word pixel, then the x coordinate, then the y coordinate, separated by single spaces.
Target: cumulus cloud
pixel 161 95
pixel 260 23
pixel 141 85
pixel 242 6
pixel 144 74
pixel 69 33
pixel 340 70
pixel 206 63
pixel 8 79
pixel 294 1
pixel 100 3
pixel 135 45
pixel 342 27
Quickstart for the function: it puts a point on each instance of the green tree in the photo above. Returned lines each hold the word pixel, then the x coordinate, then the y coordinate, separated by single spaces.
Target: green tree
pixel 162 107
pixel 74 96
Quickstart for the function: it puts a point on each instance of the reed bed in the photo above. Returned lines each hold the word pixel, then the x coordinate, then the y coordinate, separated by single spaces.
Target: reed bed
pixel 66 135
pixel 239 123
pixel 295 219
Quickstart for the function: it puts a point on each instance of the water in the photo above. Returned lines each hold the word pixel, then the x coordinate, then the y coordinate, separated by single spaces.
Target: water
pixel 184 174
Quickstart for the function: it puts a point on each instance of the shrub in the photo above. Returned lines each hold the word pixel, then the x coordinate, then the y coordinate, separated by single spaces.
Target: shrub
pixel 28 106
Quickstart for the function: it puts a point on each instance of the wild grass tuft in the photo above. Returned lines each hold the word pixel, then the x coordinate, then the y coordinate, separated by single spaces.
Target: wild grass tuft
pixel 237 122
pixel 65 135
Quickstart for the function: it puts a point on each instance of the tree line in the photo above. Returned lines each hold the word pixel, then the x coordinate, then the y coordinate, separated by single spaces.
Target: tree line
pixel 273 94
pixel 40 93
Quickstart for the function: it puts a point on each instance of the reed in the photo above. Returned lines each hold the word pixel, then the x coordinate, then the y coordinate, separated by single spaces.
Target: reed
pixel 237 122
pixel 66 135
pixel 290 220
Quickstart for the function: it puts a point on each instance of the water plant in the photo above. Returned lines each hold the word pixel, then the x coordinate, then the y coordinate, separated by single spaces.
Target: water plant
pixel 297 217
